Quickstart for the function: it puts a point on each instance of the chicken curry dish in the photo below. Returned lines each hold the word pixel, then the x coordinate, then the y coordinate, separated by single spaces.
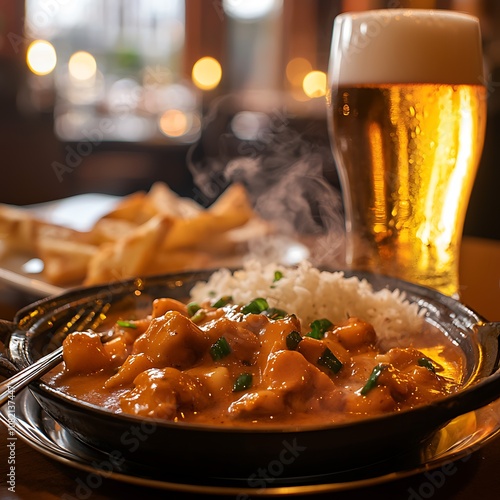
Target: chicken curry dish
pixel 222 363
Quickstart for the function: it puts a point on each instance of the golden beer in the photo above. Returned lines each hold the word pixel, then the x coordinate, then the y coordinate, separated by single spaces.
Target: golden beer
pixel 407 154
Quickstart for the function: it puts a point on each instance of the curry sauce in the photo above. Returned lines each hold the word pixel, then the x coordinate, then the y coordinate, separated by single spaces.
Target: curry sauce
pixel 251 365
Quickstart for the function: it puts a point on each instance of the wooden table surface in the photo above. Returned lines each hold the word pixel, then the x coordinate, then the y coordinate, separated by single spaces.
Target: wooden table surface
pixel 475 476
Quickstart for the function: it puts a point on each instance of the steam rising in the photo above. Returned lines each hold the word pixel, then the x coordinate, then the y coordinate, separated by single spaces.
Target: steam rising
pixel 285 177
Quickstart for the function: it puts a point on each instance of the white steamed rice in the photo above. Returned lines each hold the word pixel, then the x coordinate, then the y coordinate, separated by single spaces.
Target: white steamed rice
pixel 312 294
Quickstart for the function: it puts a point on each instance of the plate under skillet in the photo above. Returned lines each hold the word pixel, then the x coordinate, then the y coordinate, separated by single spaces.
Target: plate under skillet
pixel 459 438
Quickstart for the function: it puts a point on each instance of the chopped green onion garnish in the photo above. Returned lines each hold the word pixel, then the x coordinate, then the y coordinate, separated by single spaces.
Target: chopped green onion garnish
pixel 243 382
pixel 220 349
pixel 277 276
pixel 373 379
pixel 192 307
pixel 315 335
pixel 293 339
pixel 198 315
pixel 318 328
pixel 427 363
pixel 224 300
pixel 274 313
pixel 329 360
pixel 256 306
pixel 126 324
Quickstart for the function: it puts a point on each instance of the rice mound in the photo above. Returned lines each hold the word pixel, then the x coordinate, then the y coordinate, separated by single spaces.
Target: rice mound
pixel 311 294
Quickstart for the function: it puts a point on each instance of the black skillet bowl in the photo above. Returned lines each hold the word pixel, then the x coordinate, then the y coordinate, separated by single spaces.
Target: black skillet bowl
pixel 209 451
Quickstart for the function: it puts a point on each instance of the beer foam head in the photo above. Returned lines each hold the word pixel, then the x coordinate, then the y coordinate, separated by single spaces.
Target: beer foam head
pixel 406 46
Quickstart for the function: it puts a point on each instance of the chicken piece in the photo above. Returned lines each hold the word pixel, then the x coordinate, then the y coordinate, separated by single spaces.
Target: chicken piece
pixel 362 367
pixel 415 384
pixel 300 382
pixel 216 380
pixel 117 350
pixel 375 402
pixel 132 330
pixel 243 343
pixel 84 353
pixel 133 365
pixel 399 384
pixel 354 335
pixel 403 358
pixel 314 349
pixel 255 322
pixel 172 340
pixel 263 402
pixel 161 306
pixel 428 385
pixel 273 336
pixel 290 384
pixel 411 386
pixel 129 330
pixel 164 393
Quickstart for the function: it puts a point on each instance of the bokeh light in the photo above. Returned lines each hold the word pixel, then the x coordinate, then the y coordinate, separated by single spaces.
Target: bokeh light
pixel 82 66
pixel 314 84
pixel 250 10
pixel 296 70
pixel 207 73
pixel 41 57
pixel 174 123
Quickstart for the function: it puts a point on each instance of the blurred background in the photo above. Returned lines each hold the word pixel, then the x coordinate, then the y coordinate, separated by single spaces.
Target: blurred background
pixel 110 96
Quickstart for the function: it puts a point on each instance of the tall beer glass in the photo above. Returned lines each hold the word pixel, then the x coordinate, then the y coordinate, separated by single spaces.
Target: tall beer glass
pixel 407 113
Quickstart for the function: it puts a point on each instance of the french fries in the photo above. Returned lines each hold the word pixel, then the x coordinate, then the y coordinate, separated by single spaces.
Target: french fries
pixel 18 229
pixel 65 261
pixel 146 233
pixel 128 256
